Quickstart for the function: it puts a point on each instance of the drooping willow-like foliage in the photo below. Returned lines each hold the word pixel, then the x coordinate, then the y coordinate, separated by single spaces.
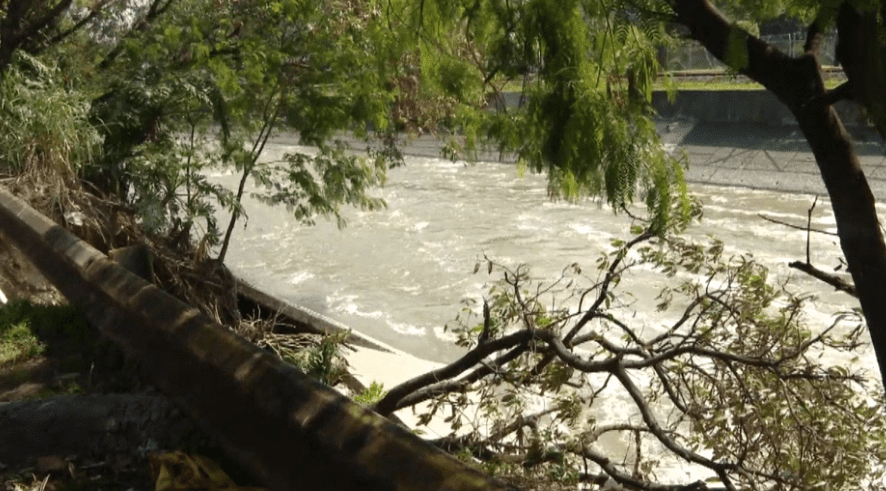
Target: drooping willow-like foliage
pixel 583 71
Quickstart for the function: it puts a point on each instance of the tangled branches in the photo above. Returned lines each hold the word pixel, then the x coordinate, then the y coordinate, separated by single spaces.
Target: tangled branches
pixel 726 382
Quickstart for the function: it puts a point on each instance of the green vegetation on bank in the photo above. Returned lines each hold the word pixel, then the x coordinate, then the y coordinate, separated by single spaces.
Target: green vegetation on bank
pixel 24 327
pixel 721 81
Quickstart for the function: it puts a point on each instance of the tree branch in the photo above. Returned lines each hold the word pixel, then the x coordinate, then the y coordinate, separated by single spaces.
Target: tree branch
pixel 95 10
pixel 797 227
pixel 592 312
pixel 154 11
pixel 766 64
pixel 389 403
pixel 842 92
pixel 830 279
pixel 651 422
pixel 813 39
pixel 632 482
pixel 48 18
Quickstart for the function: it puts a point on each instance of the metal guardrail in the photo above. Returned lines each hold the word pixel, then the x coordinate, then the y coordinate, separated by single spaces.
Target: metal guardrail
pixel 289 431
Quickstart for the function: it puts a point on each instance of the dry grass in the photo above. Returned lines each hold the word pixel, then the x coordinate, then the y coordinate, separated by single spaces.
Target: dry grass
pixel 181 268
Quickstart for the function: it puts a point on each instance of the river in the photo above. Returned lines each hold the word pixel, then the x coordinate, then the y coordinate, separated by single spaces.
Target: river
pixel 399 275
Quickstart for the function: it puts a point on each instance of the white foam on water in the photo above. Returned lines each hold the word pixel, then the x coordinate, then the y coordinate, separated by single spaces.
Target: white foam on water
pixel 300 277
pixel 406 329
pixel 347 304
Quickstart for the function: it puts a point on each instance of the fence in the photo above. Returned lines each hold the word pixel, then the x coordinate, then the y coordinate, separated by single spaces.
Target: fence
pixel 693 56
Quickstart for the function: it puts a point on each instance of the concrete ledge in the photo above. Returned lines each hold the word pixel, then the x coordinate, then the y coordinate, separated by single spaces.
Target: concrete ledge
pixel 288 430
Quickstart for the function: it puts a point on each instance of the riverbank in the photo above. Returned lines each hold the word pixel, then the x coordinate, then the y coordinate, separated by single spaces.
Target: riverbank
pixel 774 158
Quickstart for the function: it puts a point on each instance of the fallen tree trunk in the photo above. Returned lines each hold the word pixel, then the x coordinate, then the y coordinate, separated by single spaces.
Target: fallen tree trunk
pixel 289 431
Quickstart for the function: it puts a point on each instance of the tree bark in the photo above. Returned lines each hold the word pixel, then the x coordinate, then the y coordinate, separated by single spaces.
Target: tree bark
pixel 798 83
pixel 862 52
pixel 21 25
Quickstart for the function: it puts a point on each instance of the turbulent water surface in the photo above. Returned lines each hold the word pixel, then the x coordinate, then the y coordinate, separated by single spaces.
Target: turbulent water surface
pixel 400 274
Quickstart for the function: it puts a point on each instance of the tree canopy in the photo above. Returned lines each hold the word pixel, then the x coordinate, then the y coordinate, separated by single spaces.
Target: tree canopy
pixel 587 68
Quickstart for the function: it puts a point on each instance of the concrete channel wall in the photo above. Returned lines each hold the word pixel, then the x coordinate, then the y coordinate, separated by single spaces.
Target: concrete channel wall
pixel 740 106
pixel 725 106
pixel 289 431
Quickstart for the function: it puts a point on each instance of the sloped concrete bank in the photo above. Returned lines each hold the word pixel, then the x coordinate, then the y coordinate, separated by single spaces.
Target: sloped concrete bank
pixel 289 431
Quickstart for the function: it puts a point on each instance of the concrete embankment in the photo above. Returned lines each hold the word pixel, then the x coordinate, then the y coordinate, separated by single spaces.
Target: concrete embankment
pixel 749 138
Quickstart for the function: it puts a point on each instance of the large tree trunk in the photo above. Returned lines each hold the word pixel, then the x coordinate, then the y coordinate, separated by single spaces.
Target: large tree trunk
pixel 857 223
pixel 798 83
pixel 23 23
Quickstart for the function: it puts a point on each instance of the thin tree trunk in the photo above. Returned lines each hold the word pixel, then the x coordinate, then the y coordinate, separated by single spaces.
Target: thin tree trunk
pixel 235 214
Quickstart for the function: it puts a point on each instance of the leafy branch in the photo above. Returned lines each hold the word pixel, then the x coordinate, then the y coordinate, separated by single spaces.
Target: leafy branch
pixel 728 378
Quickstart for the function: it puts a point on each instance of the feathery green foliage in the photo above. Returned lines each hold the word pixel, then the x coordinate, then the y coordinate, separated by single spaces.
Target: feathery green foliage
pixel 586 69
pixel 43 125
pixel 231 76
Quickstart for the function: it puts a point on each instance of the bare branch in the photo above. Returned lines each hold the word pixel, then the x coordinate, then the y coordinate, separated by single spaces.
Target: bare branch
pixel 388 404
pixel 604 287
pixel 445 386
pixel 632 482
pixel 809 227
pixel 797 227
pixel 593 311
pixel 646 412
pixel 830 279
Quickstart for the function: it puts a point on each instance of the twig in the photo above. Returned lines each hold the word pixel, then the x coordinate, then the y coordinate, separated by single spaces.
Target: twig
pixel 798 227
pixel 809 226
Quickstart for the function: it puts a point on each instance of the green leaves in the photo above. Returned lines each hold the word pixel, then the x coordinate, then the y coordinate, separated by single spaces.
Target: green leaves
pixel 728 375
pixel 737 51
pixel 43 126
pixel 229 75
pixel 311 185
pixel 584 71
pixel 374 393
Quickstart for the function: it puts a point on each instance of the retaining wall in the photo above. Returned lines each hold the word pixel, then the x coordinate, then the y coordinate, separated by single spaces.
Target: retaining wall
pixel 740 106
pixel 724 106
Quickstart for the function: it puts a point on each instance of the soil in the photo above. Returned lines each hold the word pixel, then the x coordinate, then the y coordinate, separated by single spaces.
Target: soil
pixel 78 416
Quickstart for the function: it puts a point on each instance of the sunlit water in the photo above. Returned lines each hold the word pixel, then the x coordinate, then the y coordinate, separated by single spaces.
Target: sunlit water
pixel 400 274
